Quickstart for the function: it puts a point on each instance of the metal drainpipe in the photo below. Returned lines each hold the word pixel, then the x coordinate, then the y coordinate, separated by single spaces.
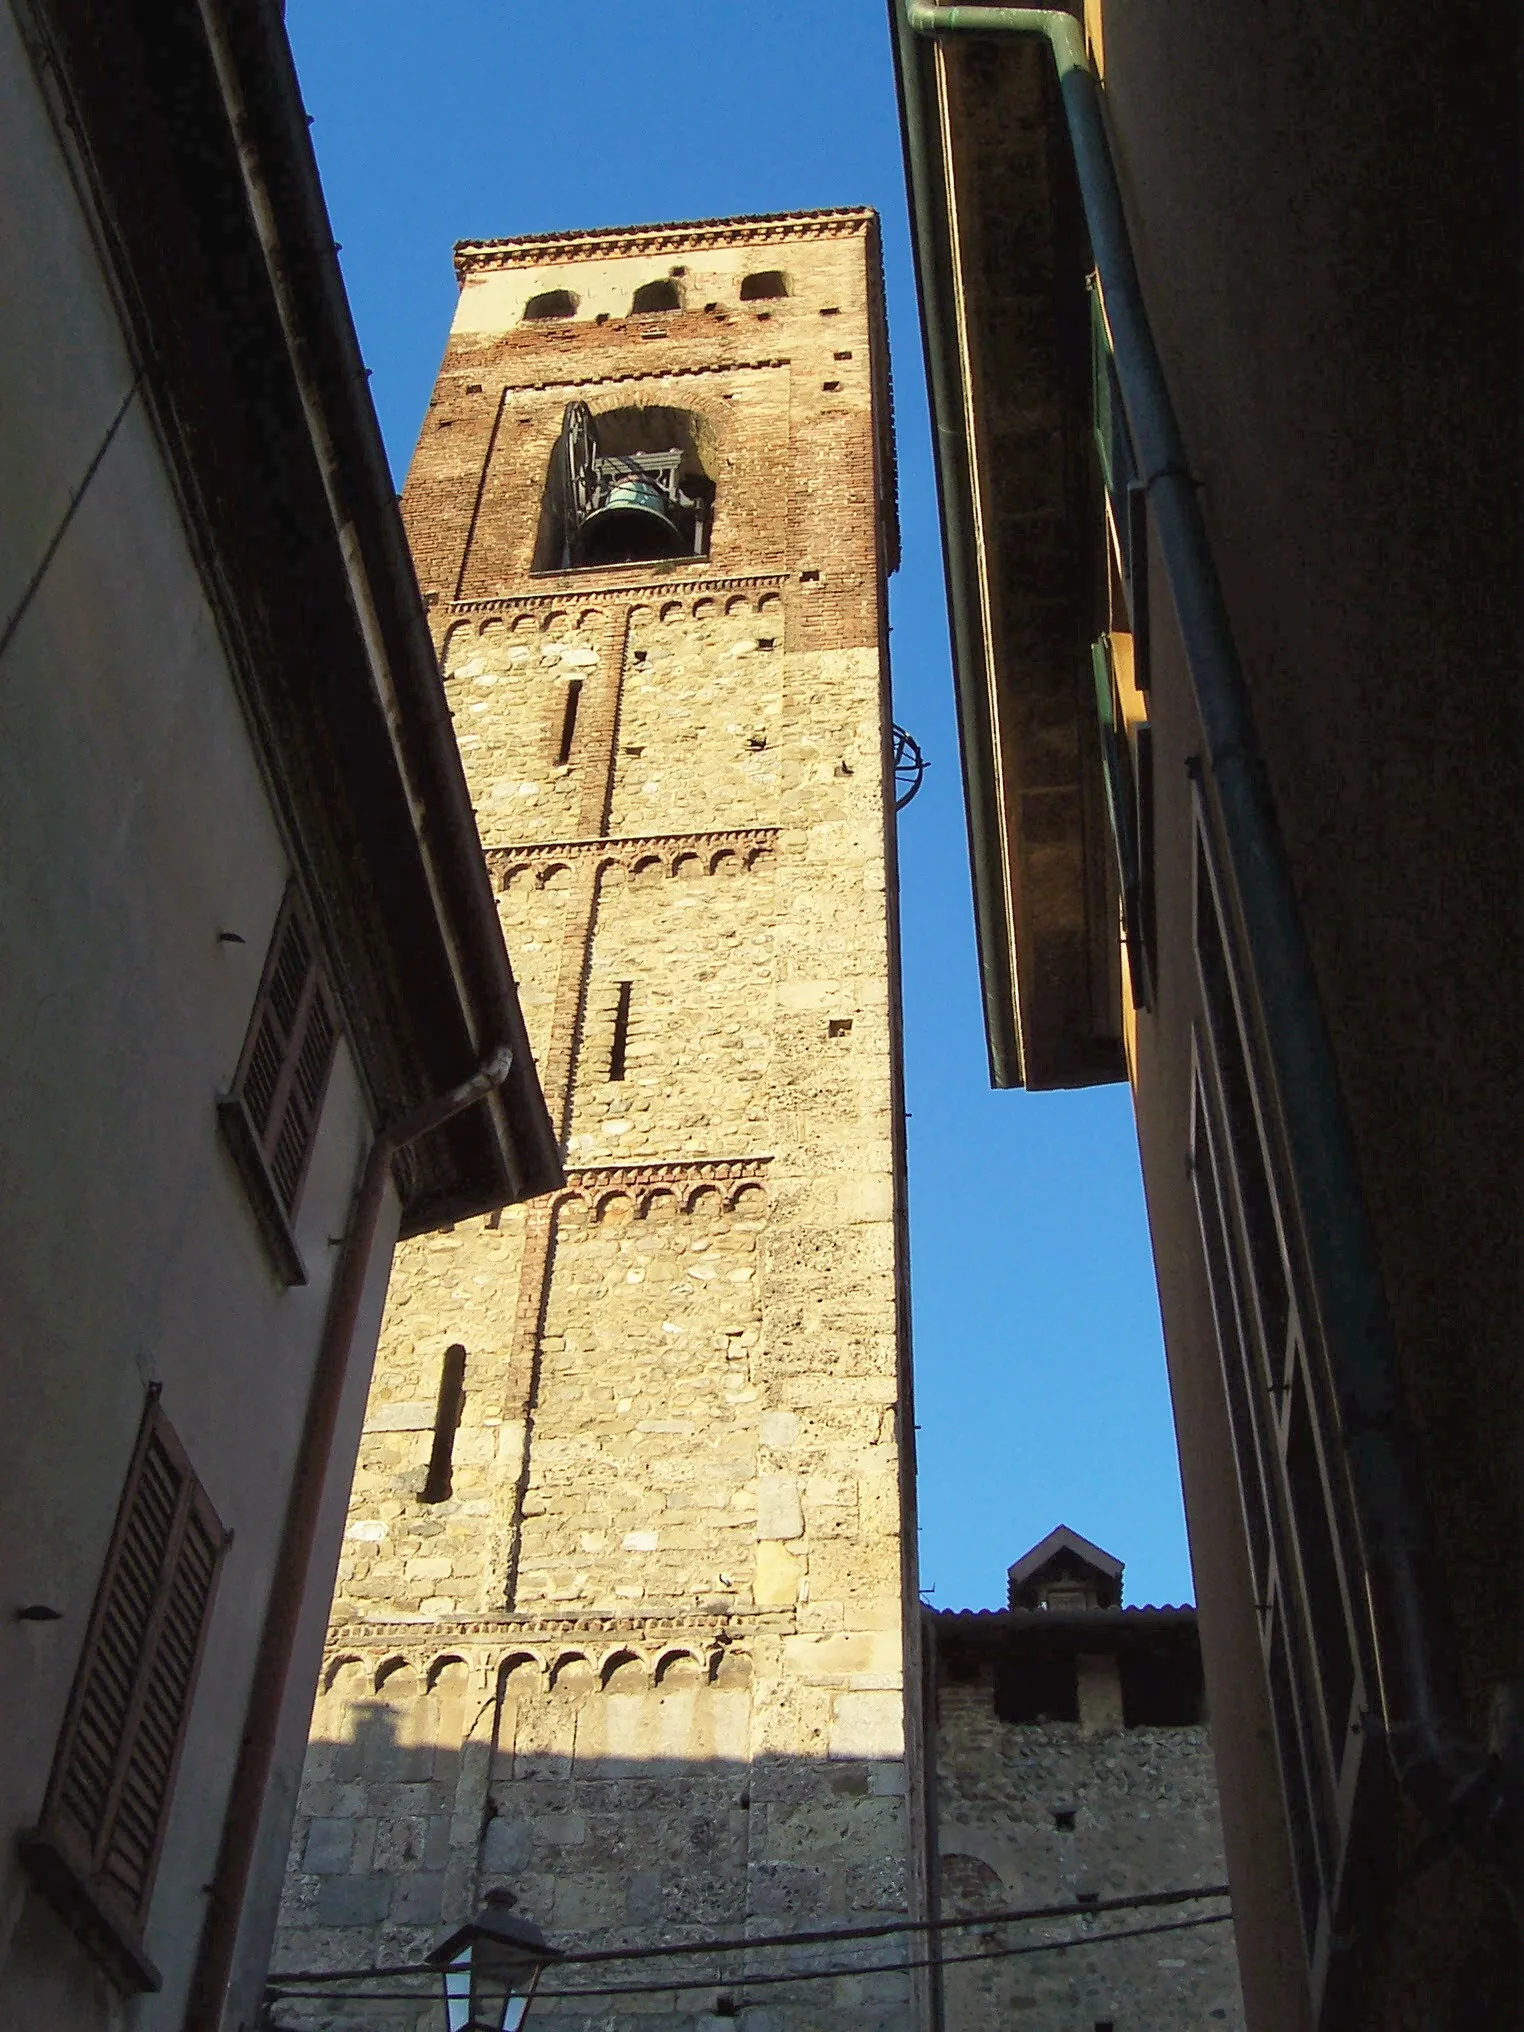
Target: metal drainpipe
pixel 240 1831
pixel 1438 1763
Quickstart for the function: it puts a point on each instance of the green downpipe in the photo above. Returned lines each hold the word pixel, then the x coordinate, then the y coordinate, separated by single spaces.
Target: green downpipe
pixel 1439 1764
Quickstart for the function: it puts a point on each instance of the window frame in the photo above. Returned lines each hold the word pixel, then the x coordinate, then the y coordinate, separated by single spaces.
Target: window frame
pixel 1303 1543
pixel 67 1862
pixel 256 1146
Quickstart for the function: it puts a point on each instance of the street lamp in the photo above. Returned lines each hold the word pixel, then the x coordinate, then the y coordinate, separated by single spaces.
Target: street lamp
pixel 491 1967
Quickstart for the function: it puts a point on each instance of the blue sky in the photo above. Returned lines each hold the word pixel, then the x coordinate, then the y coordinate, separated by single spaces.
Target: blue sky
pixel 1041 1393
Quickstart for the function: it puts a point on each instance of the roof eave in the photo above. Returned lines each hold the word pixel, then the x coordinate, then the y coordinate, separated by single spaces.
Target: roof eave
pixel 936 296
pixel 1028 1042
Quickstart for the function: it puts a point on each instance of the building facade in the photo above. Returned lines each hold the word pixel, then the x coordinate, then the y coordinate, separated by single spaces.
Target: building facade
pixel 246 937
pixel 1069 1764
pixel 627 1616
pixel 1229 464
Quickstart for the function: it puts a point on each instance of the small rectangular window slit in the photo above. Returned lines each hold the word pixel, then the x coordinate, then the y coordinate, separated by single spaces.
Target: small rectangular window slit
pixel 439 1483
pixel 569 721
pixel 840 1026
pixel 620 1047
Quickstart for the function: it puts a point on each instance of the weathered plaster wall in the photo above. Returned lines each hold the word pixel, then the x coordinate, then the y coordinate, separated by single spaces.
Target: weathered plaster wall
pixel 136 826
pixel 645 1662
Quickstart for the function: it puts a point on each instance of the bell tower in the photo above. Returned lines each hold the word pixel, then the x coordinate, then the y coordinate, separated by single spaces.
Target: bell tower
pixel 627 1619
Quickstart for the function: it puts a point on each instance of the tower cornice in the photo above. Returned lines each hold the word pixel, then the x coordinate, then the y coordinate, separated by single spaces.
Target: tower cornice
pixel 536 250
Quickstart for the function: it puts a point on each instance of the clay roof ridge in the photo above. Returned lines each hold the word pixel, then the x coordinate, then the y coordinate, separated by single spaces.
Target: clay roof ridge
pixel 1067 1615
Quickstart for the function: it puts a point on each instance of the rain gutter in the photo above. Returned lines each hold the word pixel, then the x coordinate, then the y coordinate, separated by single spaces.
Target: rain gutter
pixel 1439 1765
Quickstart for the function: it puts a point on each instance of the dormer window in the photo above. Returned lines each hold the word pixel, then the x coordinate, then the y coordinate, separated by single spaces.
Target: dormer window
pixel 768 282
pixel 1066 1574
pixel 624 486
pixel 551 303
pixel 655 296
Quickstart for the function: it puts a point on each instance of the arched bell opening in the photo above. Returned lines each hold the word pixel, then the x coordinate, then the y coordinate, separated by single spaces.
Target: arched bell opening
pixel 551 303
pixel 626 485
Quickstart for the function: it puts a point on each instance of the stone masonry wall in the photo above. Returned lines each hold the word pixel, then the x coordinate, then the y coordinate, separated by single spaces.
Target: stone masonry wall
pixel 642 1654
pixel 1038 1814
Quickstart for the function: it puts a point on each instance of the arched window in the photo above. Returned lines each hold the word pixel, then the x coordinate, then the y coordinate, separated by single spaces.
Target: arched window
pixel 767 282
pixel 551 303
pixel 626 485
pixel 656 296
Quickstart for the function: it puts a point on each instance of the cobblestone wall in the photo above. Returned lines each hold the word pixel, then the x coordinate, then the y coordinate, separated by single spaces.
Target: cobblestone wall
pixel 628 1625
pixel 1042 1814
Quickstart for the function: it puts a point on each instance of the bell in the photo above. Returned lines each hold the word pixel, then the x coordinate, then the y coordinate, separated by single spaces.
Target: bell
pixel 632 523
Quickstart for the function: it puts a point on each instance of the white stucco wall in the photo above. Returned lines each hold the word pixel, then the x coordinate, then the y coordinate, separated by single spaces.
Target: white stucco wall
pixel 134 827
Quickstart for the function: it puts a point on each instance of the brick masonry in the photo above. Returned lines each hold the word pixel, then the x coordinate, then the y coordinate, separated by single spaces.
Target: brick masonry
pixel 645 1659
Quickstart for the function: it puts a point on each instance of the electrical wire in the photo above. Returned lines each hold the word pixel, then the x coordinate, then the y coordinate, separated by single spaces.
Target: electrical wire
pixel 820 1937
pixel 769 1981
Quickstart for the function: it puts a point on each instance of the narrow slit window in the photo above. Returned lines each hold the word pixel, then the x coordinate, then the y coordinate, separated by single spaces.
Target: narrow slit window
pixel 569 720
pixel 439 1483
pixel 619 1050
pixel 95 1850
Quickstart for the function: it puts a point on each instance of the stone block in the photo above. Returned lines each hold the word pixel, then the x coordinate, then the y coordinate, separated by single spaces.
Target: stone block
pixel 353 1901
pixel 329 1846
pixel 643 1897
pixel 778 1575
pixel 868 1725
pixel 400 1418
pixel 780 1514
pixel 418 1899
pixel 778 1429
pixel 561 1830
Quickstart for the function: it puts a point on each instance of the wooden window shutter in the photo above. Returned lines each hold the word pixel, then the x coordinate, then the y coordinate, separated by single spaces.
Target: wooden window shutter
pixel 271 1115
pixel 96 1848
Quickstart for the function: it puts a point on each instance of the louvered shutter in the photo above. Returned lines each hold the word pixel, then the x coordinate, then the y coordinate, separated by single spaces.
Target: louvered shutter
pixel 113 1774
pixel 289 1055
pixel 271 1115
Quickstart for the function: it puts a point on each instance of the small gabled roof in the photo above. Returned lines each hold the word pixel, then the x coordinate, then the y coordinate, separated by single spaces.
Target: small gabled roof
pixel 1062 1544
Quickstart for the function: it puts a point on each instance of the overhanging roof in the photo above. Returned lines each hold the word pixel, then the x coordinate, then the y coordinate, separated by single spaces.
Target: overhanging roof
pixel 237 310
pixel 1001 261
